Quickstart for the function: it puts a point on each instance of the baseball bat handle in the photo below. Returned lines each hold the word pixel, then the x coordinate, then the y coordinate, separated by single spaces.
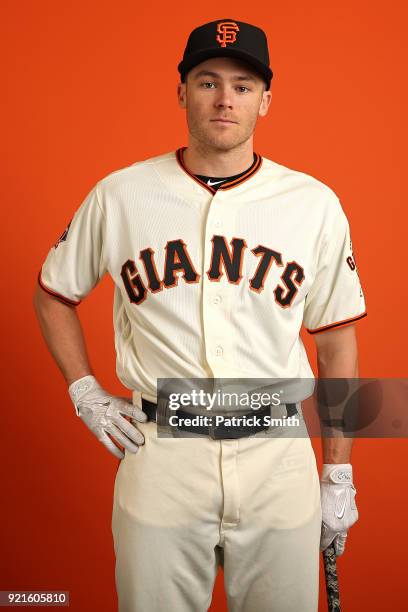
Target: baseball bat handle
pixel 332 583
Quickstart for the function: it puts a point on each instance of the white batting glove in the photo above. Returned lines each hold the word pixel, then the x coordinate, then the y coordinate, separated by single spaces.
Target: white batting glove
pixel 102 413
pixel 339 510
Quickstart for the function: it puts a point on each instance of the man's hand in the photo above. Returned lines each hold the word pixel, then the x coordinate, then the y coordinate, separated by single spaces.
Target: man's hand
pixel 102 413
pixel 339 510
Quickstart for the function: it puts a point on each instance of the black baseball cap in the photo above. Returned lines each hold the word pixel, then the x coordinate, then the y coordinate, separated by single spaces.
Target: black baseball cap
pixel 227 38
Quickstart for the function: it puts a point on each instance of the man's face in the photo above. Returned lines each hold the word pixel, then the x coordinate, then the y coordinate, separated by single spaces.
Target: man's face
pixel 220 89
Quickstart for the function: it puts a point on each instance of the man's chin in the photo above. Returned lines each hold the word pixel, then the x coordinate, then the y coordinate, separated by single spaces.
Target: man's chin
pixel 223 144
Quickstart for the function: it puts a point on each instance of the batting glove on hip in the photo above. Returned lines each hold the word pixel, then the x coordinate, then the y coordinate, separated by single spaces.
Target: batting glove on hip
pixel 102 413
pixel 339 510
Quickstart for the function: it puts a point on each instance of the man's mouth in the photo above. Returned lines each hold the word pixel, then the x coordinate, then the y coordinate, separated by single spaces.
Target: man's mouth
pixel 223 120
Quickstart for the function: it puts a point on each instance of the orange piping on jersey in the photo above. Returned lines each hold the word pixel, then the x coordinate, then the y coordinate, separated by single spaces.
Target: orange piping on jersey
pixel 255 167
pixel 55 294
pixel 179 157
pixel 244 177
pixel 345 322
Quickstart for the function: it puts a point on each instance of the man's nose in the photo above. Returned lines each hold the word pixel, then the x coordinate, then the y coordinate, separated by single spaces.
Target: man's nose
pixel 223 98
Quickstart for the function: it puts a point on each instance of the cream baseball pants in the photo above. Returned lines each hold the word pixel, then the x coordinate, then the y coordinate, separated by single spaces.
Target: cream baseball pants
pixel 183 506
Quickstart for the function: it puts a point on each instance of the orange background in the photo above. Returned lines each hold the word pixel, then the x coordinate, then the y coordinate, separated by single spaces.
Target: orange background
pixel 91 87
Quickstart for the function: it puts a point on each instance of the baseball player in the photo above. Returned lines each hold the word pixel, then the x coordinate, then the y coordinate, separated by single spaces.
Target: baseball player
pixel 218 255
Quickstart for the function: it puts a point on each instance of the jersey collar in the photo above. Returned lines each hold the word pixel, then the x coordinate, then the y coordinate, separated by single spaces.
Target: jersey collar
pixel 228 184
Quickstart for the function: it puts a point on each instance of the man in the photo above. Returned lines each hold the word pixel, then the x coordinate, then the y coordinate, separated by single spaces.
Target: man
pixel 218 256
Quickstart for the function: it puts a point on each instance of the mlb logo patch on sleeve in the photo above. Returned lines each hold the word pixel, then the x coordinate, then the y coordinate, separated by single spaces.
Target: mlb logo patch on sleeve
pixel 63 236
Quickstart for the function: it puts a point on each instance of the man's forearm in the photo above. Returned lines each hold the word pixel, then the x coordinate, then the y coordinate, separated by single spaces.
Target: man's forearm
pixel 62 332
pixel 337 364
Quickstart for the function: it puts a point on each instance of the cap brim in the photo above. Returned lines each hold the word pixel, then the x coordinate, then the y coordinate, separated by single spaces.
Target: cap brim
pixel 196 58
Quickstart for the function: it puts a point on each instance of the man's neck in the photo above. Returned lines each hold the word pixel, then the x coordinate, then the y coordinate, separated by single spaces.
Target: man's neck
pixel 213 162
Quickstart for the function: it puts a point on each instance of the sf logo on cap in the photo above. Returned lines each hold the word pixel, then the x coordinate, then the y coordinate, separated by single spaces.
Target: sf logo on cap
pixel 227 32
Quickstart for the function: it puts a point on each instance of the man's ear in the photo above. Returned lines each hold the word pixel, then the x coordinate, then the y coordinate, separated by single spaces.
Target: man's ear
pixel 181 94
pixel 265 102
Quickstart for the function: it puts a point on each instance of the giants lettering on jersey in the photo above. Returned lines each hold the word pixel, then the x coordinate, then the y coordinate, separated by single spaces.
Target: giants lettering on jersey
pixel 224 259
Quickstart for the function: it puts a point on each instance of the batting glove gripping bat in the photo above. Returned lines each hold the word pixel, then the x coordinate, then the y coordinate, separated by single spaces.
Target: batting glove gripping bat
pixel 103 414
pixel 339 510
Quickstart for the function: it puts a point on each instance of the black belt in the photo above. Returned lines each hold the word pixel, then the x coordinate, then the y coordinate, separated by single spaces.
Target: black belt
pixel 220 431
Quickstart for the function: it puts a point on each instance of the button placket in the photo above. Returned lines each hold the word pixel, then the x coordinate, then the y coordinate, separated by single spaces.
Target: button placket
pixel 216 295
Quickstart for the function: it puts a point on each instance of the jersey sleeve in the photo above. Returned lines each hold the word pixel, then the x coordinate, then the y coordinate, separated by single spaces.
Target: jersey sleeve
pixel 336 297
pixel 76 262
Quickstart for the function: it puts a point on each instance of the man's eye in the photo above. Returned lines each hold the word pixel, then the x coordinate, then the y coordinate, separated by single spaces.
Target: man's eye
pixel 243 87
pixel 207 83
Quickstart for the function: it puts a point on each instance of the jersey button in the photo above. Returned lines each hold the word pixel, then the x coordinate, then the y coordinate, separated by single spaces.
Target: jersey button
pixel 219 351
pixel 217 299
pixel 217 223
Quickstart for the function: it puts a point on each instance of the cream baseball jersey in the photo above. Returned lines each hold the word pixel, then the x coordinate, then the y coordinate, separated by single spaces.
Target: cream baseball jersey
pixel 210 283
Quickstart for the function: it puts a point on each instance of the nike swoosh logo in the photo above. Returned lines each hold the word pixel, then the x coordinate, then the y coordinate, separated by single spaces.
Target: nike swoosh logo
pixel 342 509
pixel 215 182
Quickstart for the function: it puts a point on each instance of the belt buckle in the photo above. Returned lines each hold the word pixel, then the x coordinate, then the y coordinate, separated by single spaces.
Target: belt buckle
pixel 212 430
pixel 217 432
